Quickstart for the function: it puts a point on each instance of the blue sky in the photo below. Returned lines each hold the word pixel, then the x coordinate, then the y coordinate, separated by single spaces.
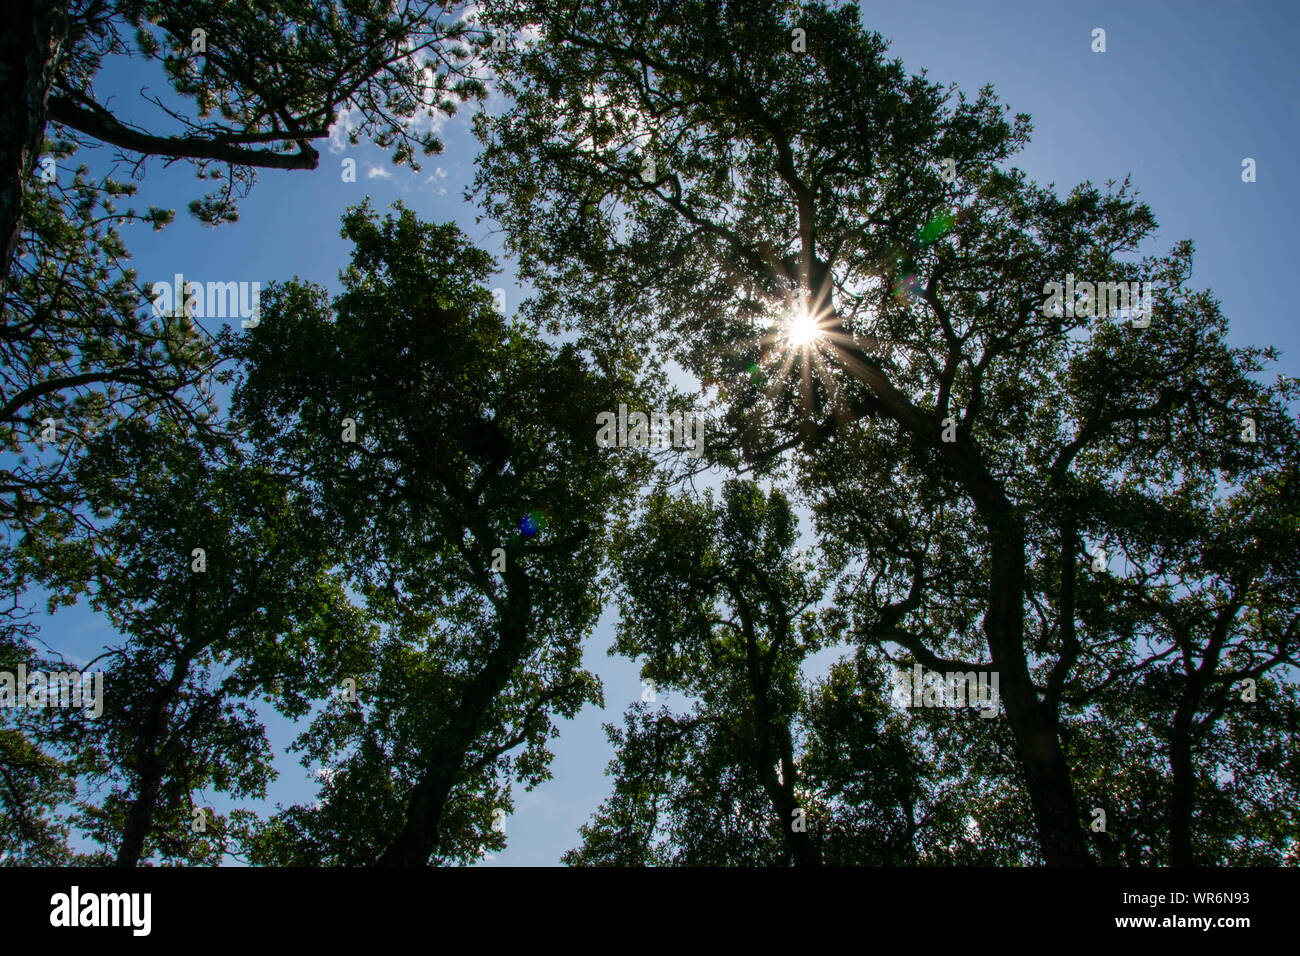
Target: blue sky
pixel 1184 92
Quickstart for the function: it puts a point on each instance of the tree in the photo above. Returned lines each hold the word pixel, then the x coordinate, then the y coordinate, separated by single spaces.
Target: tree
pixel 764 769
pixel 869 256
pixel 252 84
pixel 76 361
pixel 453 458
pixel 1205 601
pixel 76 355
pixel 213 574
pixel 710 594
pixel 34 782
pixel 249 85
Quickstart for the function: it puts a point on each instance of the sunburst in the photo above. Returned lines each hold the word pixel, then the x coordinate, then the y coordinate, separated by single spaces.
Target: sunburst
pixel 802 328
pixel 805 344
pixel 797 343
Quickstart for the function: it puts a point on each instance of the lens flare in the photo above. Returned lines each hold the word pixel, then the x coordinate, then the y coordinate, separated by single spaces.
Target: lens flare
pixel 531 523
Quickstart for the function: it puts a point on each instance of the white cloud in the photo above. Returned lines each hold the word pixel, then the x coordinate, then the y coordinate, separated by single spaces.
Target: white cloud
pixel 347 120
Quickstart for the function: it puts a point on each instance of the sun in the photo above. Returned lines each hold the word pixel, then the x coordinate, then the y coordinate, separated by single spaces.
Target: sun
pixel 802 328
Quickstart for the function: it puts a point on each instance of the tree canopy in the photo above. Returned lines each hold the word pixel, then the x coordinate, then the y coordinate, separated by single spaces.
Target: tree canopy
pixel 994 563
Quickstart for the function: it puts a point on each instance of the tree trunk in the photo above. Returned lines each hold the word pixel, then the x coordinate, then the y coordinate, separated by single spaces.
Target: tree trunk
pixel 153 755
pixel 419 836
pixel 1182 797
pixel 151 770
pixel 1047 774
pixel 139 820
pixel 803 848
pixel 29 52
